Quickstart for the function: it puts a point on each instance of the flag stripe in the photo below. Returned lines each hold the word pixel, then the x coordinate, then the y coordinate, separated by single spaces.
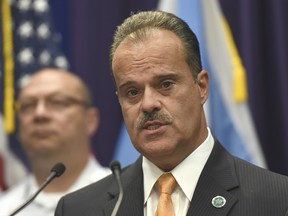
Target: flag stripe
pixel 229 121
pixel 217 115
pixel 223 68
pixel 124 152
pixel 239 73
pixel 3 185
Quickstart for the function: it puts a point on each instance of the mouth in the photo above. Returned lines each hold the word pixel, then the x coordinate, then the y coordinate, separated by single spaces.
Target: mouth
pixel 42 134
pixel 154 127
pixel 154 123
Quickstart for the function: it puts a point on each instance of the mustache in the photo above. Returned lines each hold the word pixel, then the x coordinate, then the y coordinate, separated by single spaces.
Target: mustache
pixel 154 115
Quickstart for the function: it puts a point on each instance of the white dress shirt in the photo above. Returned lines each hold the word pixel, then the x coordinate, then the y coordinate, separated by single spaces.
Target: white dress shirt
pixel 186 174
pixel 45 203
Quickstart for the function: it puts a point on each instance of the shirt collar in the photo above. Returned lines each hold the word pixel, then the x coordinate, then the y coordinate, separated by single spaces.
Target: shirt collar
pixel 195 162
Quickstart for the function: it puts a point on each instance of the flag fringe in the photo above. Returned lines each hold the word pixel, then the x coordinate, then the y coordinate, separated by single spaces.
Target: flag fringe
pixel 9 115
pixel 239 74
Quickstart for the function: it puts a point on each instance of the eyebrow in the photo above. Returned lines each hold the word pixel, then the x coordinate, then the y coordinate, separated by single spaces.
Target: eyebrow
pixel 168 76
pixel 159 77
pixel 126 84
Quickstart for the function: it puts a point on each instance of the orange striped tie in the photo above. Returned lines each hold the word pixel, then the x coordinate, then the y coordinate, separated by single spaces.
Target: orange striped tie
pixel 167 184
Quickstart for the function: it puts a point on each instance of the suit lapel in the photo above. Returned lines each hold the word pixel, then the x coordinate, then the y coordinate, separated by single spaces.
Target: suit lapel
pixel 133 198
pixel 218 178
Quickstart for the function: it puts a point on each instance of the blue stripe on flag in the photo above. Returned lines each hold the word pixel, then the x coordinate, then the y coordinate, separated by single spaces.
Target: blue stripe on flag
pixel 222 125
pixel 220 121
pixel 125 152
pixel 218 116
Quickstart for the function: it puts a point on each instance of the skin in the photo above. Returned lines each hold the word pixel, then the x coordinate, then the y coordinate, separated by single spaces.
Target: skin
pixel 50 136
pixel 152 76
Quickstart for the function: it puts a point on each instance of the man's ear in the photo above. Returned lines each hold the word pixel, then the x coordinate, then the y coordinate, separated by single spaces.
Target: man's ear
pixel 117 94
pixel 203 83
pixel 93 120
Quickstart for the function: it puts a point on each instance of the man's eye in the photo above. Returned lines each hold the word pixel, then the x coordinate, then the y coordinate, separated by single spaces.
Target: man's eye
pixel 132 93
pixel 166 84
pixel 27 106
pixel 58 103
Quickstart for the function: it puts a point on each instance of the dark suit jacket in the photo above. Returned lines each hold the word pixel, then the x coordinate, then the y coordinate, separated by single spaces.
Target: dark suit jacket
pixel 248 190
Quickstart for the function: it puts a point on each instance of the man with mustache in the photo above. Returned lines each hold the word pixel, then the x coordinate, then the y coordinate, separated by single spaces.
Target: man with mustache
pixel 183 169
pixel 56 123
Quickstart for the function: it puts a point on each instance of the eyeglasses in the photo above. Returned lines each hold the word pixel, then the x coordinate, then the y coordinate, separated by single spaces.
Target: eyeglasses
pixel 51 104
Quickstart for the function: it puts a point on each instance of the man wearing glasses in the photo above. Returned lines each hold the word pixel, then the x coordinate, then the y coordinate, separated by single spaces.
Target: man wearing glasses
pixel 56 123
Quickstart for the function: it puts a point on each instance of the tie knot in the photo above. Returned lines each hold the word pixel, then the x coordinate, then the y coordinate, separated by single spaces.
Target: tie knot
pixel 166 183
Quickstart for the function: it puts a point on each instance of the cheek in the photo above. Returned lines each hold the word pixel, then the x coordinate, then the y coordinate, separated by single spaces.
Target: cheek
pixel 72 123
pixel 186 110
pixel 130 115
pixel 66 119
pixel 25 125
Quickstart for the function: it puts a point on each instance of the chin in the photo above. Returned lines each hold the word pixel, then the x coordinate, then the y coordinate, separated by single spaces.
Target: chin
pixel 158 150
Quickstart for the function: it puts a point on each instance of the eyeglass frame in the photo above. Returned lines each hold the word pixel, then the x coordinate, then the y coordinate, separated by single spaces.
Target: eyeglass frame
pixel 52 104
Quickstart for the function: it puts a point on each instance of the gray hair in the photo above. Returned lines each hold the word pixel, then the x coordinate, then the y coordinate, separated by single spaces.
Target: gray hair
pixel 137 26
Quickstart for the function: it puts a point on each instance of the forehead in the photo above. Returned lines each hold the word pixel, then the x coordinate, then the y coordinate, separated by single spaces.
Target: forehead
pixel 160 49
pixel 154 42
pixel 51 82
pixel 151 38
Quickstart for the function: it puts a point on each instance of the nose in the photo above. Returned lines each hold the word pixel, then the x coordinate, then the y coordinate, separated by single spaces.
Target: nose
pixel 41 109
pixel 151 101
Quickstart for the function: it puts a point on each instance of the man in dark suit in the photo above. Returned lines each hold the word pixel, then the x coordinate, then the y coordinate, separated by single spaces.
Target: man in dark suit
pixel 162 89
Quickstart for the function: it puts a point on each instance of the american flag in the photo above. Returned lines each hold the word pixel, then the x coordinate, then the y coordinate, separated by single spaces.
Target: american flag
pixel 27 30
pixel 36 43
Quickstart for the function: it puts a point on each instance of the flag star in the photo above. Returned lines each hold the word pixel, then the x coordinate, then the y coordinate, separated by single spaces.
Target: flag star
pixel 61 62
pixel 24 5
pixel 43 31
pixel 12 2
pixel 40 6
pixel 24 80
pixel 44 57
pixel 25 30
pixel 25 56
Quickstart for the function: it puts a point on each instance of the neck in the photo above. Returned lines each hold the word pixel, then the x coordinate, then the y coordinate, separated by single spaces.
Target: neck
pixel 42 168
